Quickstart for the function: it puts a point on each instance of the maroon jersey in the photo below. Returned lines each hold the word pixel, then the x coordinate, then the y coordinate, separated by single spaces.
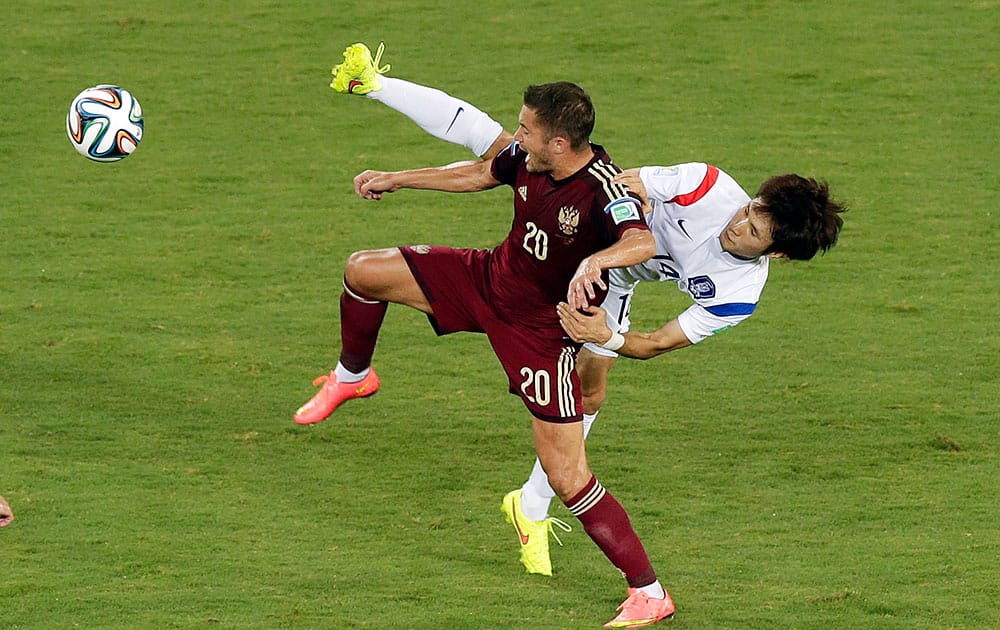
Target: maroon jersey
pixel 556 225
pixel 510 292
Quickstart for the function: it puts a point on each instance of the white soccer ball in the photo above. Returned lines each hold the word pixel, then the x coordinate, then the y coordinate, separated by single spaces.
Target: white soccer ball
pixel 104 123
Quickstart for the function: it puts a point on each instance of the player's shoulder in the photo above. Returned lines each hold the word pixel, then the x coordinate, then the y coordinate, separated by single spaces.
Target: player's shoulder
pixel 600 177
pixel 506 164
pixel 687 174
pixel 513 152
pixel 601 168
pixel 691 184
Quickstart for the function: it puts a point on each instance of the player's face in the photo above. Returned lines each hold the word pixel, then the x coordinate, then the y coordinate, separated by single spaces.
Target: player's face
pixel 748 233
pixel 534 141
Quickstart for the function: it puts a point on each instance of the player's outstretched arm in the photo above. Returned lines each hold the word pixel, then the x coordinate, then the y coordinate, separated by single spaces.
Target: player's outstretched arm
pixel 466 177
pixel 591 326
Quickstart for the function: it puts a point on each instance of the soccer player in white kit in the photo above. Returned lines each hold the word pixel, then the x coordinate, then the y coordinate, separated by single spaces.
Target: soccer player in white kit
pixel 691 204
pixel 712 240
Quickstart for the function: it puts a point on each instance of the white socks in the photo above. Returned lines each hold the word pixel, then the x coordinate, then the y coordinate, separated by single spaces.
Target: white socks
pixel 439 114
pixel 536 493
pixel 346 376
pixel 654 590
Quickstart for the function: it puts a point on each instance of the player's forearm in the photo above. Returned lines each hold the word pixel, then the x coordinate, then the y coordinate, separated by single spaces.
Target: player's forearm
pixel 634 247
pixel 469 177
pixel 646 345
pixel 641 345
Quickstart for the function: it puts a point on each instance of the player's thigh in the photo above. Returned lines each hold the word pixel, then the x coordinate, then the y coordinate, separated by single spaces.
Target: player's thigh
pixel 593 369
pixel 382 274
pixel 560 449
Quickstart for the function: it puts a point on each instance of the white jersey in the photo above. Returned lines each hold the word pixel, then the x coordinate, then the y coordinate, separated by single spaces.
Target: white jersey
pixel 691 206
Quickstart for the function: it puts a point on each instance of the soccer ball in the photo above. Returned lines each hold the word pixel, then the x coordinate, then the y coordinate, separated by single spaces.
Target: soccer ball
pixel 104 123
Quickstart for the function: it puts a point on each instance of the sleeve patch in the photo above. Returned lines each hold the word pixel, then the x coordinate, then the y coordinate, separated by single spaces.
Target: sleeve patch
pixel 621 210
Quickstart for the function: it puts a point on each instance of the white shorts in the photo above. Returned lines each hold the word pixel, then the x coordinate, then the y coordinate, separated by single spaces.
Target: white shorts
pixel 618 305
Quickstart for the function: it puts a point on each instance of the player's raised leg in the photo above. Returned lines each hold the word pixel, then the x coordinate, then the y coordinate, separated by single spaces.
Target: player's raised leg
pixel 438 113
pixel 372 279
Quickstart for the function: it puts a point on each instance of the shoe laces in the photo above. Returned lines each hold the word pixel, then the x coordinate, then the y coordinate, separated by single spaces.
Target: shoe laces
pixel 378 58
pixel 550 521
pixel 321 380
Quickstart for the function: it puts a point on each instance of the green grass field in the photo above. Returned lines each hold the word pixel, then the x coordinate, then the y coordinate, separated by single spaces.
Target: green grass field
pixel 831 463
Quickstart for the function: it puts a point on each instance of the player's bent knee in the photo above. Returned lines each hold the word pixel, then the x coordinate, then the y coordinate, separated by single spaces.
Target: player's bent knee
pixel 567 480
pixel 356 273
pixel 370 271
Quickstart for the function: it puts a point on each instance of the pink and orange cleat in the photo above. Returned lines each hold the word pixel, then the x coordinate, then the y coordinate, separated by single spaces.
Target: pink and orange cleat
pixel 641 610
pixel 333 394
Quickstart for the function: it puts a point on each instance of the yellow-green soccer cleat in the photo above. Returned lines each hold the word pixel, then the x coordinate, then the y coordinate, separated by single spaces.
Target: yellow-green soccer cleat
pixel 533 536
pixel 359 72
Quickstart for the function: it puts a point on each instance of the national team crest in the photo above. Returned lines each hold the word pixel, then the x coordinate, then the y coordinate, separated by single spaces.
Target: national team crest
pixel 701 287
pixel 569 218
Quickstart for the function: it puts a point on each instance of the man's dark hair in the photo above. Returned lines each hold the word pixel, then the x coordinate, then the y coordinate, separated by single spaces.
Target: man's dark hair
pixel 805 219
pixel 563 109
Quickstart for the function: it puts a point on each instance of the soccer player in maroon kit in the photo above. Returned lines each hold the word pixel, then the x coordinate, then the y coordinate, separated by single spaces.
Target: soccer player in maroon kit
pixel 571 224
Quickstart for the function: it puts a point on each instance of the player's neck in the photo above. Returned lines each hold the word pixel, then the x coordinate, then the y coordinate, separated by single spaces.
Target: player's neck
pixel 735 255
pixel 572 162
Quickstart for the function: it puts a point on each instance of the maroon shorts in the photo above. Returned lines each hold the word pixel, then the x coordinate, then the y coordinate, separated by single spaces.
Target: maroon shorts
pixel 540 365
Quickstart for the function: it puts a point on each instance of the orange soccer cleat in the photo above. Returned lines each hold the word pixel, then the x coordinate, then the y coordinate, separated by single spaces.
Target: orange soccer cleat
pixel 641 610
pixel 333 394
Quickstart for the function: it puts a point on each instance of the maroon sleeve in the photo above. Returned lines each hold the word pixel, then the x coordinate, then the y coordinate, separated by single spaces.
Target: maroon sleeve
pixel 505 164
pixel 624 214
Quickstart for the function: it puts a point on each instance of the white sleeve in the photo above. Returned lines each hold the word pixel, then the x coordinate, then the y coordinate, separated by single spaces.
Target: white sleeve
pixel 698 322
pixel 664 183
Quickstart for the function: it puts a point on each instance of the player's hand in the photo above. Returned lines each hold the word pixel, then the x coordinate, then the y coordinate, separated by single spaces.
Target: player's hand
pixel 371 184
pixel 631 179
pixel 581 287
pixel 591 325
pixel 6 514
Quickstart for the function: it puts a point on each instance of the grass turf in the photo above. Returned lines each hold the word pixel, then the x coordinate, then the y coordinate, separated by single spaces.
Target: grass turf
pixel 829 463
